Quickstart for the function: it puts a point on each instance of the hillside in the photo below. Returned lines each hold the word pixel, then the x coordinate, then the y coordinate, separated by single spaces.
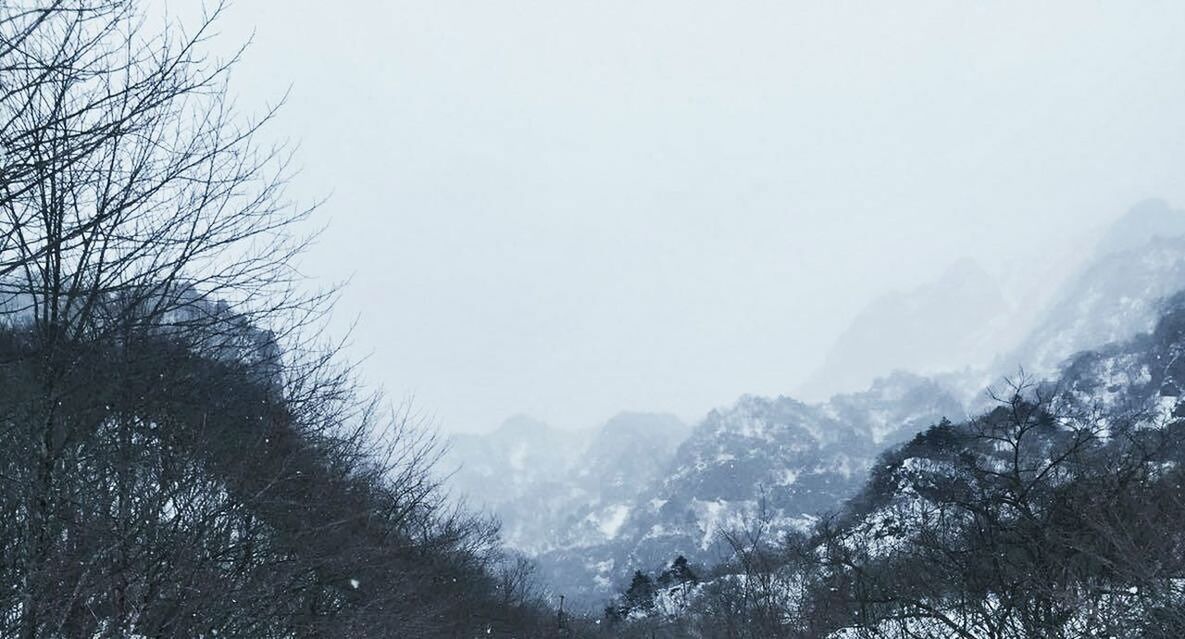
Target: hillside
pixel 1057 513
pixel 792 459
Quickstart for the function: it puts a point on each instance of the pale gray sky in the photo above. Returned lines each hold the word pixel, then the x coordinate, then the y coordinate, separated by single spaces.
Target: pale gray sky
pixel 574 208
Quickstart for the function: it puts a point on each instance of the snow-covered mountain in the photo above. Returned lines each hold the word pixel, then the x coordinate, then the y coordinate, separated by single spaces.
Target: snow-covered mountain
pixel 773 457
pixel 628 452
pixel 514 459
pixel 1048 476
pixel 1139 262
pixel 1112 391
pixel 1054 513
pixel 801 459
pixel 967 323
pixel 593 507
pixel 556 488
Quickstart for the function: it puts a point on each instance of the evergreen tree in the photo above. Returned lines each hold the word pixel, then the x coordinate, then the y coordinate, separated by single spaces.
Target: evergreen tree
pixel 640 595
pixel 679 573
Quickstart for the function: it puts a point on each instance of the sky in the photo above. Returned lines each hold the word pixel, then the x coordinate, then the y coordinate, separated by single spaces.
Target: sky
pixel 569 209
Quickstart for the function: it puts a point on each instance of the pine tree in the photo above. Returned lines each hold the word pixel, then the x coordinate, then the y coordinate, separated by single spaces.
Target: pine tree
pixel 640 595
pixel 679 573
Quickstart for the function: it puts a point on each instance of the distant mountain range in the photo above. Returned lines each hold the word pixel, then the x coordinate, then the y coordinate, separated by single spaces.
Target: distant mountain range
pixel 1054 512
pixel 791 459
pixel 555 488
pixel 967 321
pixel 593 506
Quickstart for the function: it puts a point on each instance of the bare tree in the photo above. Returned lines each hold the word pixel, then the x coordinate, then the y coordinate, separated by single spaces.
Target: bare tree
pixel 185 457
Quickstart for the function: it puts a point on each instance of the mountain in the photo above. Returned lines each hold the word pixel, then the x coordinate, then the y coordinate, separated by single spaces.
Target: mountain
pixel 1055 513
pixel 799 458
pixel 513 460
pixel 628 452
pixel 778 458
pixel 519 472
pixel 641 490
pixel 951 323
pixel 1145 221
pixel 966 323
pixel 553 488
pixel 1117 294
pixel 1114 390
pixel 788 460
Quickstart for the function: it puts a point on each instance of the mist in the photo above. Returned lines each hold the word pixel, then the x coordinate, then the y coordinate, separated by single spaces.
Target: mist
pixel 591 320
pixel 570 209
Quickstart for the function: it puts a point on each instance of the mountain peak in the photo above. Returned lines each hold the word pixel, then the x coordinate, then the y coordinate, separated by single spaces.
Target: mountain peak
pixel 1145 221
pixel 522 425
pixel 964 269
pixel 944 324
pixel 632 423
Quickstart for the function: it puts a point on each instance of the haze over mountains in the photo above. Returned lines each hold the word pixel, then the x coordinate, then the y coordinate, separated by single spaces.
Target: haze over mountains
pixel 812 320
pixel 1056 512
pixel 592 506
pixel 1069 299
pixel 958 320
pixel 554 488
pixel 1115 294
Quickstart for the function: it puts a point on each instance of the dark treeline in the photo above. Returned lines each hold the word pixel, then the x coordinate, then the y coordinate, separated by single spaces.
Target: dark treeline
pixel 180 495
pixel 183 456
pixel 1058 514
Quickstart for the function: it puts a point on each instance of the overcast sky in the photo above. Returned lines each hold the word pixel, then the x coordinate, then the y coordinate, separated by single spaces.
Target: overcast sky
pixel 570 208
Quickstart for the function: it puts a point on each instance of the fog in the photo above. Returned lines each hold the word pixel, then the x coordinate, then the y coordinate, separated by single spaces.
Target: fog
pixel 568 209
